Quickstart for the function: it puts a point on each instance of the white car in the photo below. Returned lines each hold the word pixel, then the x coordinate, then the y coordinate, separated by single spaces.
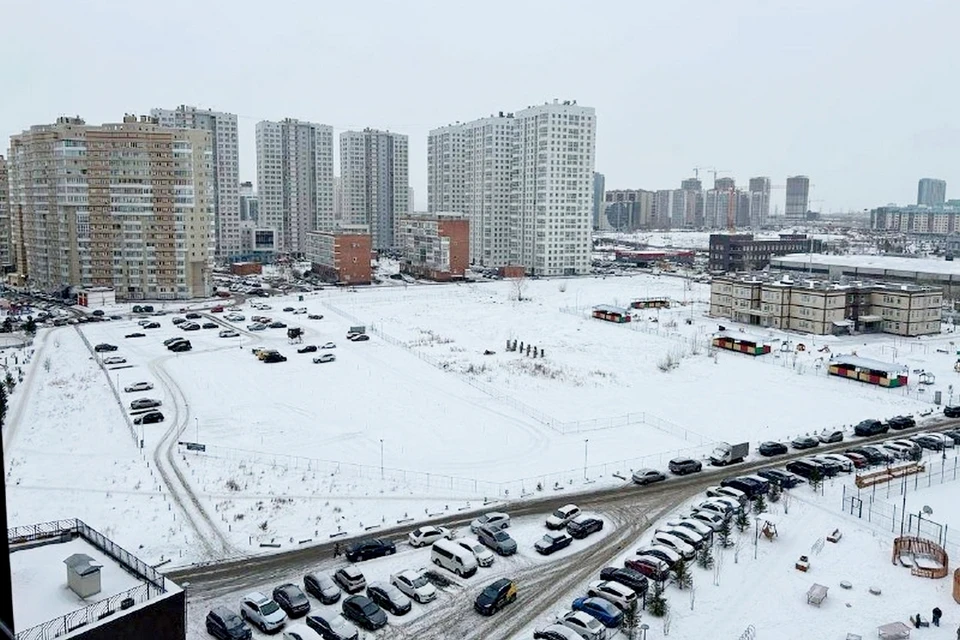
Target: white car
pixel 726 492
pixel 586 626
pixel 693 524
pixel 326 357
pixel 414 585
pixel 228 333
pixel 299 632
pixel 560 631
pixel 675 543
pixel 114 360
pixel 300 311
pixel 559 518
pixel 236 317
pixel 656 550
pixel 495 520
pixel 428 534
pixel 483 555
pixel 262 612
pixel 846 464
pixel 138 386
pixel 830 435
pixel 619 594
pixel 256 326
pixel 329 345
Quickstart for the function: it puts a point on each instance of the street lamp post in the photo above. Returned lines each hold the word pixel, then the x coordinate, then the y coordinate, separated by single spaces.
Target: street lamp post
pixel 644 628
pixel 586 442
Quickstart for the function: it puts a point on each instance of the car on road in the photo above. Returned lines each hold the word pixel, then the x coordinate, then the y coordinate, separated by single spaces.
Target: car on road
pixel 135 335
pixel 498 540
pixel 683 466
pixel 228 333
pixel 138 386
pixel 256 326
pixel 627 577
pixel 870 427
pixel 427 534
pixel 326 357
pixel 321 587
pixel 952 411
pixel 363 612
pixel 315 316
pixel 178 347
pixel 389 598
pixel 274 357
pixel 804 442
pixel 307 348
pixel 552 542
pixel 495 596
pixel 361 337
pixel 414 584
pixel 583 525
pixel 224 624
pixel 771 448
pixel 556 632
pixel 114 360
pixel 783 479
pixel 899 423
pixel 605 611
pixel 332 626
pixel 209 325
pixel 622 596
pixel 493 519
pixel 144 403
pixel 483 555
pixel 648 476
pixel 583 624
pixel 559 518
pixel 103 346
pixel 292 600
pixel 350 579
pixel 152 417
pixel 370 549
pixel 276 324
pixel 262 612
pixel 652 567
pixel 830 435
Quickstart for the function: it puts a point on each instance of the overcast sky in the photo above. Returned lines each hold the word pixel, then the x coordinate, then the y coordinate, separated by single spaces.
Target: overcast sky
pixel 861 95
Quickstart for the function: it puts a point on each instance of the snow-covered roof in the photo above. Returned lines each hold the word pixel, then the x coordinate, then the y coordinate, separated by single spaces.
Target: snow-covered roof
pixel 875 263
pixel 609 308
pixel 867 363
pixel 737 335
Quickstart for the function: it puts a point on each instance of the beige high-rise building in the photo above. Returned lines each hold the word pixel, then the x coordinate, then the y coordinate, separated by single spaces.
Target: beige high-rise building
pixel 126 205
pixel 6 255
pixel 374 182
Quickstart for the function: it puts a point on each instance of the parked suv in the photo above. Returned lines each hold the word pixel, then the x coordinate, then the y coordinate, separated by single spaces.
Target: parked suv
pixel 902 422
pixel 350 579
pixel 369 549
pixel 263 612
pixel 952 412
pixel 226 625
pixel 498 540
pixel 683 466
pixel 292 600
pixel 870 428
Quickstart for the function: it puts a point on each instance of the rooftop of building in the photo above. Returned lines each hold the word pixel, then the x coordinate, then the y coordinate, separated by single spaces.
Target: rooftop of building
pixel 867 363
pixel 891 263
pixel 950 206
pixel 798 281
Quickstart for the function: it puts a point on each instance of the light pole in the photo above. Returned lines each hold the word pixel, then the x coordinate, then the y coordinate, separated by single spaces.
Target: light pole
pixel 381 458
pixel 197 422
pixel 586 442
pixel 644 628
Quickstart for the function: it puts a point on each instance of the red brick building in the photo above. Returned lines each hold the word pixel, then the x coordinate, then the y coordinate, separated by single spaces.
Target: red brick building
pixel 339 257
pixel 434 246
pixel 246 268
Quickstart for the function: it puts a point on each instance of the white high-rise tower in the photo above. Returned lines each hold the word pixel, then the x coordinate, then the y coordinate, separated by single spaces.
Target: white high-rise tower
pixel 374 182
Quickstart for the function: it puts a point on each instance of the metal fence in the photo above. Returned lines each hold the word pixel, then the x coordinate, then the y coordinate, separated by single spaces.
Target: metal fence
pixel 153 585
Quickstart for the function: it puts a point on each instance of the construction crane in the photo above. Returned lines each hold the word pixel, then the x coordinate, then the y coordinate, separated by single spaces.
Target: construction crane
pixel 697 170
pixel 716 171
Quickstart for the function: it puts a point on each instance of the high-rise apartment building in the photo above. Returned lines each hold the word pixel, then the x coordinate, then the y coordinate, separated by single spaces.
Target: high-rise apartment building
pixel 931 192
pixel 6 255
pixel 295 180
pixel 374 182
pixel 411 200
pixel 724 184
pixel 226 169
pixel 249 203
pixel 629 210
pixel 798 195
pixel 694 201
pixel 599 186
pixel 759 192
pixel 127 206
pixel 691 184
pixel 446 170
pixel 337 200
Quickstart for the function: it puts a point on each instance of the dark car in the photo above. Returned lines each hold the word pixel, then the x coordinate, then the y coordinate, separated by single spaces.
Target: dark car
pixel 952 411
pixel 292 600
pixel 144 403
pixel 772 449
pixel 192 316
pixel 495 596
pixel 933 443
pixel 364 612
pixel 98 313
pixel 783 479
pixel 870 428
pixel 274 357
pixel 332 627
pixel 683 466
pixel 360 338
pixel 804 442
pixel 227 625
pixel 276 324
pixel 898 423
pixel 859 460
pixel 389 598
pixel 746 485
pixel 170 341
pixel 806 469
pixel 315 316
pixel 135 335
pixel 369 549
pixel 880 455
pixel 177 320
pixel 582 526
pixel 872 455
pixel 288 309
pixel 152 325
pixel 953 435
pixel 209 325
pixel 321 587
pixel 178 347
pixel 190 326
pixel 152 417
pixel 831 468
pixel 100 348
pixel 552 542
pixel 605 611
pixel 310 348
pixel 627 577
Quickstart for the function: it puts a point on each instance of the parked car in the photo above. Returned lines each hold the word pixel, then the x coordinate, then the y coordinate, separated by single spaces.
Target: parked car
pixel 192 316
pixel 300 311
pixel 236 317
pixel 830 435
pixel 427 534
pixel 180 347
pixel 806 469
pixel 556 632
pixel 262 612
pixel 748 487
pixel 494 519
pixel 582 526
pixel 859 460
pixel 224 624
pixel 627 577
pixel 497 539
pixel 276 324
pixel 952 411
pixel 364 612
pixel 321 587
pixel 495 596
pixel 559 518
pixel 667 554
pixel 772 449
pixel 870 428
pixel 288 309
pixel 350 579
pixel 209 325
pixel 622 596
pixel 328 345
pixel 170 341
pixel 783 479
pixel 370 549
pixel 315 316
pixel 102 347
pixel 256 326
pixel 550 542
pixel 190 326
pixel 605 611
pixel 389 598
pixel 414 585
pixel 360 338
pixel 872 455
pixel 228 333
pixel 804 442
pixel 712 519
pixel 881 455
pixel 453 558
pixel 217 309
pixel 483 555
pixel 691 537
pixel 324 357
pixel 683 466
pixel 308 348
pixel 144 403
pixel 728 491
pixel 953 435
pixel 292 600
pixel 332 626
pixel 830 468
pixel 177 320
pixel 846 465
pixel 583 624
pixel 898 423
pixel 274 357
pixel 135 335
pixel 152 325
pixel 151 417
pixel 687 551
pixel 138 386
pixel 648 476
pixel 114 360
pixel 926 440
pixel 652 567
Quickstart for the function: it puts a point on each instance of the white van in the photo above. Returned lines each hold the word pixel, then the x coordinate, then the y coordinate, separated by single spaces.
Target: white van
pixel 453 558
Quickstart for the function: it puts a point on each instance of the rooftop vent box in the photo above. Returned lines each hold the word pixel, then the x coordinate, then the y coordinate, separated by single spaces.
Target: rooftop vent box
pixel 83 575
